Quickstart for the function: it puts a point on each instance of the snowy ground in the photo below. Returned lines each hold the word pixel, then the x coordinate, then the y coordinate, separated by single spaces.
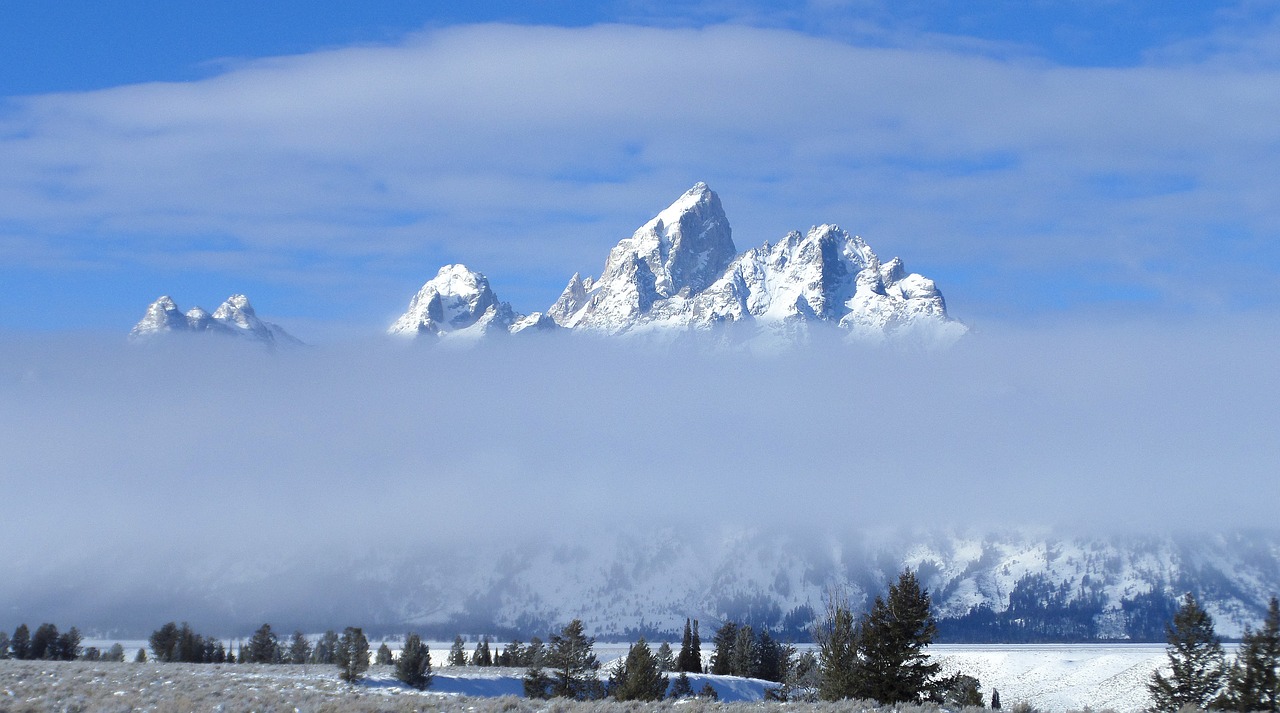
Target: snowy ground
pixel 1053 677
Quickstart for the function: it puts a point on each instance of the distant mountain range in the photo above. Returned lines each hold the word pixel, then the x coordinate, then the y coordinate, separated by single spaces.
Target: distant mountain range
pixel 233 318
pixel 678 274
pixel 998 587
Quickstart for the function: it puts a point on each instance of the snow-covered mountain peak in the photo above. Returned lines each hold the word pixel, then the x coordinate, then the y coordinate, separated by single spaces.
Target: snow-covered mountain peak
pixel 680 271
pixel 459 302
pixel 234 317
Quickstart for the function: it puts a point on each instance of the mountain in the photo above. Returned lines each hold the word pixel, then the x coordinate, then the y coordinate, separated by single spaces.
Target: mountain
pixel 1002 586
pixel 234 318
pixel 459 304
pixel 681 271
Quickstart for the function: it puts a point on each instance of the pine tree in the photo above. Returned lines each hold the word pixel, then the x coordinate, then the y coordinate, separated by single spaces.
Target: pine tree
pixel 837 654
pixel 482 655
pixel 684 661
pixel 326 648
pixel 4 645
pixel 537 684
pixel 1251 681
pixel 893 667
pixel 457 654
pixel 141 656
pixel 696 657
pixel 666 659
pixel 995 700
pixel 726 636
pixel 67 647
pixel 352 654
pixel 681 688
pixel 44 643
pixel 383 657
pixel 299 648
pixel 573 665
pixel 1195 659
pixel 20 643
pixel 262 645
pixel 772 658
pixel 115 653
pixel 414 666
pixel 742 662
pixel 638 678
pixel 511 655
pixel 536 653
pixel 708 692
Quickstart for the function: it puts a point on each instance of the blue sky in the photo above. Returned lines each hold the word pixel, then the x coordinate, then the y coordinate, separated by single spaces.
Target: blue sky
pixel 1041 160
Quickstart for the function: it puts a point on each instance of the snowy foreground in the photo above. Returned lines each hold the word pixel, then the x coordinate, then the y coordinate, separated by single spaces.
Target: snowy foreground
pixel 1049 678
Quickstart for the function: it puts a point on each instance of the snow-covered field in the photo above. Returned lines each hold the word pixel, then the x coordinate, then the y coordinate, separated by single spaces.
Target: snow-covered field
pixel 1050 677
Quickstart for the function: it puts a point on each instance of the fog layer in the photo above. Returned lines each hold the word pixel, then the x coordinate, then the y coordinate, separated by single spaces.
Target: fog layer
pixel 144 459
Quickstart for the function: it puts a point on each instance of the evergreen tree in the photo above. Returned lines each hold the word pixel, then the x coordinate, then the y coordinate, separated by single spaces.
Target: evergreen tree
pixel 4 645
pixel 482 656
pixel 141 656
pixel 666 659
pixel 164 642
pixel 573 665
pixel 695 658
pixel 681 688
pixel 742 662
pixel 772 658
pixel 299 648
pixel 220 653
pixel 67 647
pixel 115 653
pixel 708 692
pixel 457 654
pixel 837 654
pixel 537 684
pixel 1195 659
pixel 995 700
pixel 725 638
pixel 536 653
pixel 957 691
pixel 1251 681
pixel 326 648
pixel 684 661
pixel 639 677
pixel 383 657
pixel 20 644
pixel 893 667
pixel 352 654
pixel 91 653
pixel 44 643
pixel 511 655
pixel 262 645
pixel 414 666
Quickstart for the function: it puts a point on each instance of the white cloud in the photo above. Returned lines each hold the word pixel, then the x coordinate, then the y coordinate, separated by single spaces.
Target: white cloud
pixel 531 149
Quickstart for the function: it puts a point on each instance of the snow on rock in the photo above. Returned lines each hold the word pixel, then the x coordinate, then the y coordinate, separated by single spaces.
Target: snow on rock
pixel 681 271
pixel 458 303
pixel 234 318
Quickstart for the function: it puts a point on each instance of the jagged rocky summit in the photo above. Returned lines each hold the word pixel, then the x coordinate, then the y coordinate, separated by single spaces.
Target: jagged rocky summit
pixel 459 303
pixel 681 273
pixel 234 318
